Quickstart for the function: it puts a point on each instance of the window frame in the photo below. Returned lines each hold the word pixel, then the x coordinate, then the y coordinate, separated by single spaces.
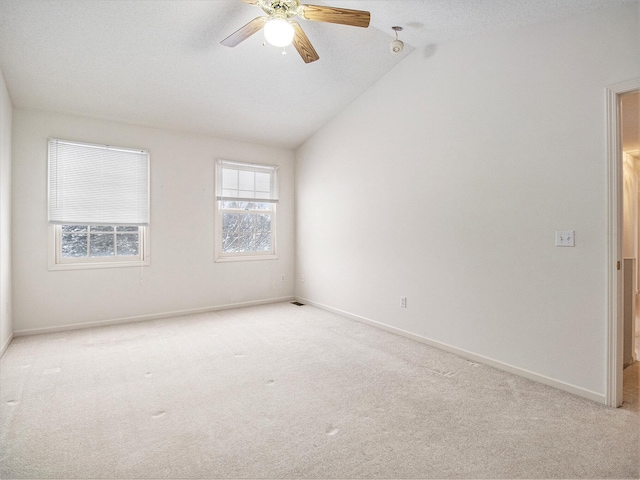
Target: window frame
pixel 73 212
pixel 58 262
pixel 219 255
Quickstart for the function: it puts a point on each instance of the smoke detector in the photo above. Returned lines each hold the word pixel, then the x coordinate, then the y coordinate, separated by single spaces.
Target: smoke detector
pixel 397 45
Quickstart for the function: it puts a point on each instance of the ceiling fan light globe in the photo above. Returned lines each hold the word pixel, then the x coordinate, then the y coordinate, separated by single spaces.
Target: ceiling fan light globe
pixel 278 32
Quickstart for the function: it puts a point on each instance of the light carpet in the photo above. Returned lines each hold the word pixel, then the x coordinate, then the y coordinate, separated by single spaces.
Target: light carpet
pixel 281 391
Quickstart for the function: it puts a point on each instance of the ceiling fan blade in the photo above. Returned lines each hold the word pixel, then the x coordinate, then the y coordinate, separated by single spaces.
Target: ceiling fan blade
pixel 343 16
pixel 245 32
pixel 303 45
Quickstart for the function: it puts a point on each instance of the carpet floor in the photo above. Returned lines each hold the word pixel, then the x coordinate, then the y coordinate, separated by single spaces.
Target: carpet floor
pixel 281 391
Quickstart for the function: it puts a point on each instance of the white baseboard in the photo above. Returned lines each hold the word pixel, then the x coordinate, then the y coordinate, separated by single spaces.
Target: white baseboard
pixel 6 345
pixel 560 385
pixel 142 318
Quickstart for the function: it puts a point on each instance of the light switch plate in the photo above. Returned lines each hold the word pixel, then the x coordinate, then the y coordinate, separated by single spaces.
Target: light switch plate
pixel 565 238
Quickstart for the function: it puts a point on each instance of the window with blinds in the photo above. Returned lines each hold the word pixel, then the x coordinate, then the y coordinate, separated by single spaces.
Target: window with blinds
pixel 246 196
pixel 98 205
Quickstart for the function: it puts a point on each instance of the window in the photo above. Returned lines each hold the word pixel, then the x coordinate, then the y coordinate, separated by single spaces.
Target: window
pixel 98 205
pixel 108 245
pixel 246 197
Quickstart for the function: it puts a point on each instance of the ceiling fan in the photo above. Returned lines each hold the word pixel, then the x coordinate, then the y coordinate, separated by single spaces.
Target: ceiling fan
pixel 281 30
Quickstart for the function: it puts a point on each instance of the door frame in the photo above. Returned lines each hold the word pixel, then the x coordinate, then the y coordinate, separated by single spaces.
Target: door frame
pixel 615 331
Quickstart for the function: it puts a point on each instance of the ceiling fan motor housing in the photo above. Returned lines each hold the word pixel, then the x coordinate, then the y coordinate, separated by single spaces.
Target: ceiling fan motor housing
pixel 281 8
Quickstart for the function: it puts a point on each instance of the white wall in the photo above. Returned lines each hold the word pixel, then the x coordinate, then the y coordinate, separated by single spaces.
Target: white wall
pixel 445 182
pixel 182 275
pixel 6 327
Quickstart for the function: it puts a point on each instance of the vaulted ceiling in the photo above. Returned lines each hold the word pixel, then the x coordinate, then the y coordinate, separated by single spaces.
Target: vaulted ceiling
pixel 160 63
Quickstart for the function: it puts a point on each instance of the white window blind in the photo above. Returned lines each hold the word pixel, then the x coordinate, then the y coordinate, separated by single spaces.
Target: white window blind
pixel 247 182
pixel 97 184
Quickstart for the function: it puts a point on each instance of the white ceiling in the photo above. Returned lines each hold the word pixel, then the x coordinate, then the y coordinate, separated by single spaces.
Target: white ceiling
pixel 160 63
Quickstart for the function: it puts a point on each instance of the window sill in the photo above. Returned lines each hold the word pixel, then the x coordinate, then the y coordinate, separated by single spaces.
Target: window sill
pixel 242 258
pixel 93 265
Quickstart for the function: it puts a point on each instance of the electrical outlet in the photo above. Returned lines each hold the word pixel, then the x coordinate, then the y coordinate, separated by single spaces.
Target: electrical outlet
pixel 565 238
pixel 282 279
pixel 302 278
pixel 403 302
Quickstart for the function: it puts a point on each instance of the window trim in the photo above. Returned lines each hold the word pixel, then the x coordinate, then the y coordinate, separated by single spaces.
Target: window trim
pixel 219 255
pixel 57 263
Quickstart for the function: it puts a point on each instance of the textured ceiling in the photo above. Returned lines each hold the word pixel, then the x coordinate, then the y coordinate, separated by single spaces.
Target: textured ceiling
pixel 160 63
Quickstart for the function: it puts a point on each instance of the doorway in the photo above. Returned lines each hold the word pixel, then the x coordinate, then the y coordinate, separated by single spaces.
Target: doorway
pixel 623 253
pixel 630 141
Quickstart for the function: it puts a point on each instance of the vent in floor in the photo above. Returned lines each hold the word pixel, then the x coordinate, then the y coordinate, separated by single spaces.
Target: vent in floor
pixel 297 303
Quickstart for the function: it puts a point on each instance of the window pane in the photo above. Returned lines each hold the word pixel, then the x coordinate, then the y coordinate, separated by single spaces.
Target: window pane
pixel 74 245
pixel 246 233
pixel 74 228
pixel 246 240
pixel 229 242
pixel 102 245
pixel 102 228
pixel 263 241
pixel 247 222
pixel 127 244
pixel 263 223
pixel 230 232
pixel 127 229
pixel 230 222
